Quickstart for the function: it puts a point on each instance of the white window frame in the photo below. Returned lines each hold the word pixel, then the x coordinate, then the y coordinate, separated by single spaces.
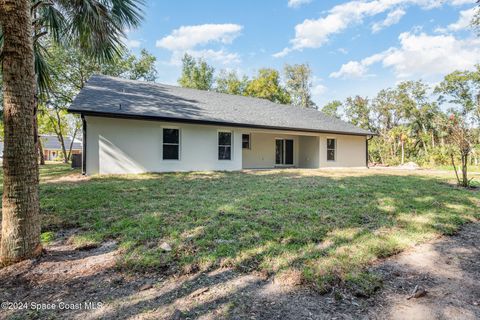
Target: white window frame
pixel 173 144
pixel 231 144
pixel 334 150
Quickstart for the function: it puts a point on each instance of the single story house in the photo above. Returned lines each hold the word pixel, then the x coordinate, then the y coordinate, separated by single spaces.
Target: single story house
pixel 135 126
pixel 52 148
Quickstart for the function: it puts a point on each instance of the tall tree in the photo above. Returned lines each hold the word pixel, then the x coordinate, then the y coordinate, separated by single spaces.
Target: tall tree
pixel 418 111
pixel 461 137
pixel 332 108
pixel 357 111
pixel 96 27
pixel 401 134
pixel 229 82
pixel 129 66
pixel 65 126
pixel 298 84
pixel 461 90
pixel 196 73
pixel 267 85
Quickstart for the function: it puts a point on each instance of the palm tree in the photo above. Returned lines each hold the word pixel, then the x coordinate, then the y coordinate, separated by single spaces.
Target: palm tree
pixel 97 28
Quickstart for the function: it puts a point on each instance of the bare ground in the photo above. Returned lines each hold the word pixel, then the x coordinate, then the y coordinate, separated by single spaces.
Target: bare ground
pixel 447 268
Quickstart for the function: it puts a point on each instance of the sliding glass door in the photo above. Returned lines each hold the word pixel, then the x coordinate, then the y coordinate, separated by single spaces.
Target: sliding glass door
pixel 284 151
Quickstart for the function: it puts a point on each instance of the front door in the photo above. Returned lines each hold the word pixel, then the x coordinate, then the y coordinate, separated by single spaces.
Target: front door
pixel 284 151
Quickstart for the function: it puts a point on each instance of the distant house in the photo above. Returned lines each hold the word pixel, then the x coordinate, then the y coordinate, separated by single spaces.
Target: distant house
pixel 52 148
pixel 134 126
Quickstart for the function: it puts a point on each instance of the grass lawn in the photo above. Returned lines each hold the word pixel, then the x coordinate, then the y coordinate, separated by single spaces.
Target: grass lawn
pixel 471 169
pixel 321 227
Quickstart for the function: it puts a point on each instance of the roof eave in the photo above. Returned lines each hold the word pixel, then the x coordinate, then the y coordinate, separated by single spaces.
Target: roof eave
pixel 208 122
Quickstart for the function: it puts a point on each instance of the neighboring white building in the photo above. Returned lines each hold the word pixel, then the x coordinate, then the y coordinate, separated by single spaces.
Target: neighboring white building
pixel 134 127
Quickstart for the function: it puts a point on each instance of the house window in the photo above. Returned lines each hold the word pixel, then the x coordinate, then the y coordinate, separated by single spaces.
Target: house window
pixel 171 144
pixel 331 149
pixel 245 141
pixel 224 145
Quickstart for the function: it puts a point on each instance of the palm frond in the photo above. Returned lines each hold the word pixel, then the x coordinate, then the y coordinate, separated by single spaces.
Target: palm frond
pixel 97 26
pixel 52 21
pixel 127 13
pixel 43 71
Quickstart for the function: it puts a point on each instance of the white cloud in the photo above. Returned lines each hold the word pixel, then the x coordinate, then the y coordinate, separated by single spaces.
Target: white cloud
pixel 420 55
pixel 426 55
pixel 131 43
pixel 187 37
pixel 313 33
pixel 356 69
pixel 297 3
pixel 392 18
pixel 464 20
pixel 318 90
pixel 282 53
pixel 221 57
pixel 351 69
pixel 462 2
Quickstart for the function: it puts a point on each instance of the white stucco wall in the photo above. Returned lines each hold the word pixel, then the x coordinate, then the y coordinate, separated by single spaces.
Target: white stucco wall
pixel 351 151
pixel 309 154
pixel 135 146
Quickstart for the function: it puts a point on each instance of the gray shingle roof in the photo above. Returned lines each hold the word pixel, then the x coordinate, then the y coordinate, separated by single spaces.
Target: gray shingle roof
pixel 52 143
pixel 109 96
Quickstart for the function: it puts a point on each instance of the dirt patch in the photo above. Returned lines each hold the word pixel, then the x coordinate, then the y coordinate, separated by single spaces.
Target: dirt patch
pixel 447 268
pixel 70 178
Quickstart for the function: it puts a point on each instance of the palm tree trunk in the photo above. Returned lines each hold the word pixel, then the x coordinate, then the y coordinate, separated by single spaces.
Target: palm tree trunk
pixel 20 211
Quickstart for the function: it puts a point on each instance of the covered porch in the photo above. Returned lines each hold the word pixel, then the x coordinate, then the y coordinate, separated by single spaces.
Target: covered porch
pixel 266 150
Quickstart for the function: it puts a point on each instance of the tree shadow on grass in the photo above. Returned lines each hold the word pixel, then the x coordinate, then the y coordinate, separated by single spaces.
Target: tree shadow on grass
pixel 325 226
pixel 283 213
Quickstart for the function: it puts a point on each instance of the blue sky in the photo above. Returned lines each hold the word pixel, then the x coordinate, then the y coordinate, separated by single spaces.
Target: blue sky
pixel 353 47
